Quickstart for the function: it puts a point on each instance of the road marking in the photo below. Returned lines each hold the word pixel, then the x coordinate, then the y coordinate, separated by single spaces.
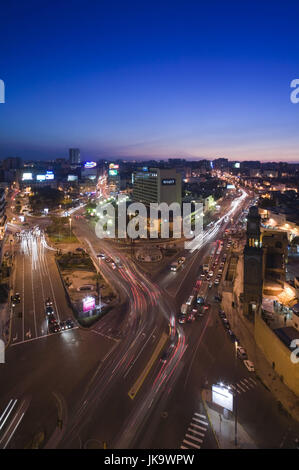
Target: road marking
pixel 105 336
pixel 201 416
pixel 134 390
pixel 239 386
pixel 183 447
pixel 200 421
pixel 44 336
pixel 198 427
pixel 196 432
pixel 10 437
pixel 245 385
pixel 191 444
pixel 194 438
pixel 252 380
pixel 13 405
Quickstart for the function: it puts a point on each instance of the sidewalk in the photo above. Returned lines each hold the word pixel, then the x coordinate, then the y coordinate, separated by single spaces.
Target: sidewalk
pixel 244 330
pixel 224 427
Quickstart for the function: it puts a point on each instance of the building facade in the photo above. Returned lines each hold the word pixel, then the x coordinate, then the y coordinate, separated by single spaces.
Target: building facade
pixel 156 185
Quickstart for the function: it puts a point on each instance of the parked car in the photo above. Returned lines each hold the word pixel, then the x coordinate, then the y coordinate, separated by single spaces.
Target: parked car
pixel 182 319
pixel 241 353
pixel 249 365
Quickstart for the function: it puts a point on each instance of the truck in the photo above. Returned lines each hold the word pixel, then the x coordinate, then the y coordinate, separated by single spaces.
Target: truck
pixel 184 309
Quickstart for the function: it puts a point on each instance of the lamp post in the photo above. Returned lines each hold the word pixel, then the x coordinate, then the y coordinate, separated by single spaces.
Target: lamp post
pixel 236 399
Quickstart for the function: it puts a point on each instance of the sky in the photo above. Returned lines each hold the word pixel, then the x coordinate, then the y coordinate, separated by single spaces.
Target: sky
pixel 149 79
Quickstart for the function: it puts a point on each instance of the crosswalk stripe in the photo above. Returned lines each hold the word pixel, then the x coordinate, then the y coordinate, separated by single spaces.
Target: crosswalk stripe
pixel 252 380
pixel 191 444
pixel 198 427
pixel 183 447
pixel 235 388
pixel 201 416
pixel 196 432
pixel 200 421
pixel 239 386
pixel 245 385
pixel 194 438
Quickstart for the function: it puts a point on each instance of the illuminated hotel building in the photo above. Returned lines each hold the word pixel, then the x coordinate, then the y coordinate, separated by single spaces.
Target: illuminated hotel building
pixel 155 185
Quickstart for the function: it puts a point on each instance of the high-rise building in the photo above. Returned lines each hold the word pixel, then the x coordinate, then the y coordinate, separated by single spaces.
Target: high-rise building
pixel 156 185
pixel 74 156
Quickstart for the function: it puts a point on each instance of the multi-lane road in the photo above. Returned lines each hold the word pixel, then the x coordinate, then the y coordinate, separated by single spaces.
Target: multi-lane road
pixel 107 386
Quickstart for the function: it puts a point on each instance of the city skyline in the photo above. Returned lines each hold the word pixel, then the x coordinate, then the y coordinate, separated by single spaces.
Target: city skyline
pixel 150 81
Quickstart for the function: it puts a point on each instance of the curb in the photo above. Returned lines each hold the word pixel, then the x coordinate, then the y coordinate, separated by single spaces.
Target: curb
pixel 206 409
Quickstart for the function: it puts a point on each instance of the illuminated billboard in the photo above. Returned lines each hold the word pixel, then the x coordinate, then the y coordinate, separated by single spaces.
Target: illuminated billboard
pixel 113 172
pixel 231 186
pixel 27 176
pixel 89 303
pixel 90 164
pixel 49 175
pixel 168 181
pixel 40 177
pixel 222 396
pixel 113 166
pixel 72 177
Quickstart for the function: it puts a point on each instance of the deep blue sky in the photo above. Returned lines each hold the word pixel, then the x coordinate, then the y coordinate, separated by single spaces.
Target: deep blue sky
pixel 150 78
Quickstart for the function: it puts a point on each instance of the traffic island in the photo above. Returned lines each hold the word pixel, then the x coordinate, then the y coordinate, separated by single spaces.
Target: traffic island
pixel 88 293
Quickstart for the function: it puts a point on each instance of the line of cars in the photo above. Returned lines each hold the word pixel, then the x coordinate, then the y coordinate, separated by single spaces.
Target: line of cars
pixel 54 326
pixel 193 309
pixel 241 352
pixel 114 263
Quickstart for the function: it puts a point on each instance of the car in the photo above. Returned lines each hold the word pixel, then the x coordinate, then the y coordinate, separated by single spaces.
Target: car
pixel 182 319
pixel 232 336
pixel 108 260
pixel 62 325
pixel 216 282
pixel 226 324
pixel 69 323
pixel 15 299
pixel 241 353
pixel 49 310
pixel 221 313
pixel 190 317
pixel 200 300
pixel 203 275
pixel 48 302
pixel 113 265
pixel 249 365
pixel 211 274
pixel 206 306
pixel 52 319
pixel 101 255
pixel 55 327
pixel 218 298
pixel 210 285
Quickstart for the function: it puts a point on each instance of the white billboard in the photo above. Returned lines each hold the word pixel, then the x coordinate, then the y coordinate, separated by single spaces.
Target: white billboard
pixel 27 176
pixel 222 396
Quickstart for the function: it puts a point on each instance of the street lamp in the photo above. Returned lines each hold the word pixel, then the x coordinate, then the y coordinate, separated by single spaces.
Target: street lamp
pixel 70 220
pixel 236 402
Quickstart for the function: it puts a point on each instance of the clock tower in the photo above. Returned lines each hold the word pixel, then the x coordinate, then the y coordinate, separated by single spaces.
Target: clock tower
pixel 253 265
